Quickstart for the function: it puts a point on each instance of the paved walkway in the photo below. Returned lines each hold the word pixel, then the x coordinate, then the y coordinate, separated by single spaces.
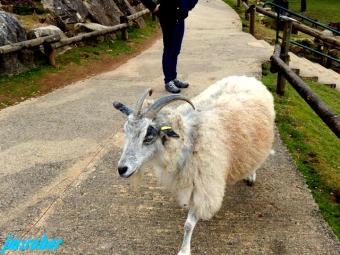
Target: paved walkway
pixel 59 152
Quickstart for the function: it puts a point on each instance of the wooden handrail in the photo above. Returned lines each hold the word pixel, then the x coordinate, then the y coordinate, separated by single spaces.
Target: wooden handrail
pixel 332 41
pixel 138 15
pixel 53 42
pixel 78 38
pixel 58 42
pixel 319 107
pixel 9 48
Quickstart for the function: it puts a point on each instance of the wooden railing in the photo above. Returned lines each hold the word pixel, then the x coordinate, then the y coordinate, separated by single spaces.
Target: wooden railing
pixel 251 10
pixel 280 62
pixel 53 42
pixel 319 107
pixel 280 65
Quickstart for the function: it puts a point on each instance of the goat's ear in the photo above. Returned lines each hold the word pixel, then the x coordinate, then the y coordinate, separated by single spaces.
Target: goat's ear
pixel 168 132
pixel 122 108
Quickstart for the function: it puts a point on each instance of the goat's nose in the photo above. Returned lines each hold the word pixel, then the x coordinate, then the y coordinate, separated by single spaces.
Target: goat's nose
pixel 122 170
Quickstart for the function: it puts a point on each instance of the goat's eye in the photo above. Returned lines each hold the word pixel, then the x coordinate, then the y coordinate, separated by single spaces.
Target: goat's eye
pixel 150 135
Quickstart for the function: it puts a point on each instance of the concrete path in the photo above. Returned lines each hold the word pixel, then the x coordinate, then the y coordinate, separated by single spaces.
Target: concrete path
pixel 59 152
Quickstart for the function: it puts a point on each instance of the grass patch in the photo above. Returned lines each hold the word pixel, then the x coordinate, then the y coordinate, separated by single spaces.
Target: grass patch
pixel 14 89
pixel 325 11
pixel 32 21
pixel 264 26
pixel 314 148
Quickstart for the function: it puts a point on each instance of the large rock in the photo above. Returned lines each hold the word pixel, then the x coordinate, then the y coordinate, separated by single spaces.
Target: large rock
pixel 70 11
pixel 45 31
pixel 104 12
pixel 11 31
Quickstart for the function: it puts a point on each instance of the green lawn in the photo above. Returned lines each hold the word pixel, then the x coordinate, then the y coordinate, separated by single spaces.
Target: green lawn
pixel 325 11
pixel 314 148
pixel 261 31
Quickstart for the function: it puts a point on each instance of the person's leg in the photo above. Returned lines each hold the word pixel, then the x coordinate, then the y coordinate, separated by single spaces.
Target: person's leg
pixel 168 33
pixel 172 39
pixel 177 45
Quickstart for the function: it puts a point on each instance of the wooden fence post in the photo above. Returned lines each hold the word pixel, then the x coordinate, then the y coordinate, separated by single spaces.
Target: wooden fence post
pixel 281 81
pixel 326 51
pixel 154 16
pixel 125 33
pixel 50 54
pixel 238 3
pixel 332 53
pixel 252 10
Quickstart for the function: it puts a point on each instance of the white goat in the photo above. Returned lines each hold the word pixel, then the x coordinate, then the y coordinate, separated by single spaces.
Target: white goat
pixel 195 153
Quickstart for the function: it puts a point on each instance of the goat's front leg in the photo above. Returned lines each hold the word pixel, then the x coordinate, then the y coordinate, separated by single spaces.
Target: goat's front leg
pixel 189 226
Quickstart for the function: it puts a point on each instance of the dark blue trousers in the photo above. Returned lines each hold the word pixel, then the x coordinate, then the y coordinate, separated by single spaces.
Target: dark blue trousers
pixel 173 33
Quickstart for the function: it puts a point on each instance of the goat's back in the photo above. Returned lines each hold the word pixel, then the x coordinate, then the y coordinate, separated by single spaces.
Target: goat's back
pixel 237 125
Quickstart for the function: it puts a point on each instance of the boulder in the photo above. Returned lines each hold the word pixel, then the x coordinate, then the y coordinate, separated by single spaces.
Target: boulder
pixel 11 31
pixel 70 12
pixel 45 31
pixel 104 12
pixel 53 19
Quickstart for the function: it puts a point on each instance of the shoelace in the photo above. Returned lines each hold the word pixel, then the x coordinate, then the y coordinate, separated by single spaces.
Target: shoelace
pixel 172 85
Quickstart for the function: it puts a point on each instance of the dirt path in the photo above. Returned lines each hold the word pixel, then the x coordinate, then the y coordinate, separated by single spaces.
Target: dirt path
pixel 58 156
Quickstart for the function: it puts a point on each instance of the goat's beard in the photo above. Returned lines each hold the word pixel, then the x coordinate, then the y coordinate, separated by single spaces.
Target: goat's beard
pixel 136 179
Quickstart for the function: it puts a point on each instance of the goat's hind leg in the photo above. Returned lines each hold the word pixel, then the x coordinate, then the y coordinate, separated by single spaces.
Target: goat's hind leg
pixel 189 226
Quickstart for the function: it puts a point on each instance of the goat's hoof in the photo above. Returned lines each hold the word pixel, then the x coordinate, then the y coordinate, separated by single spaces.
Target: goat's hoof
pixel 183 253
pixel 249 183
pixel 250 180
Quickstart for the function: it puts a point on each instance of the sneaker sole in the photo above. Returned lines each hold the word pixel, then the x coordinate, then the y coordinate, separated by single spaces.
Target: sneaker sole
pixel 173 92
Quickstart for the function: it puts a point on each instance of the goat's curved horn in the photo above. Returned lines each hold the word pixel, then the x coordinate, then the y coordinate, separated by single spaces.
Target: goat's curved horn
pixel 160 103
pixel 139 104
